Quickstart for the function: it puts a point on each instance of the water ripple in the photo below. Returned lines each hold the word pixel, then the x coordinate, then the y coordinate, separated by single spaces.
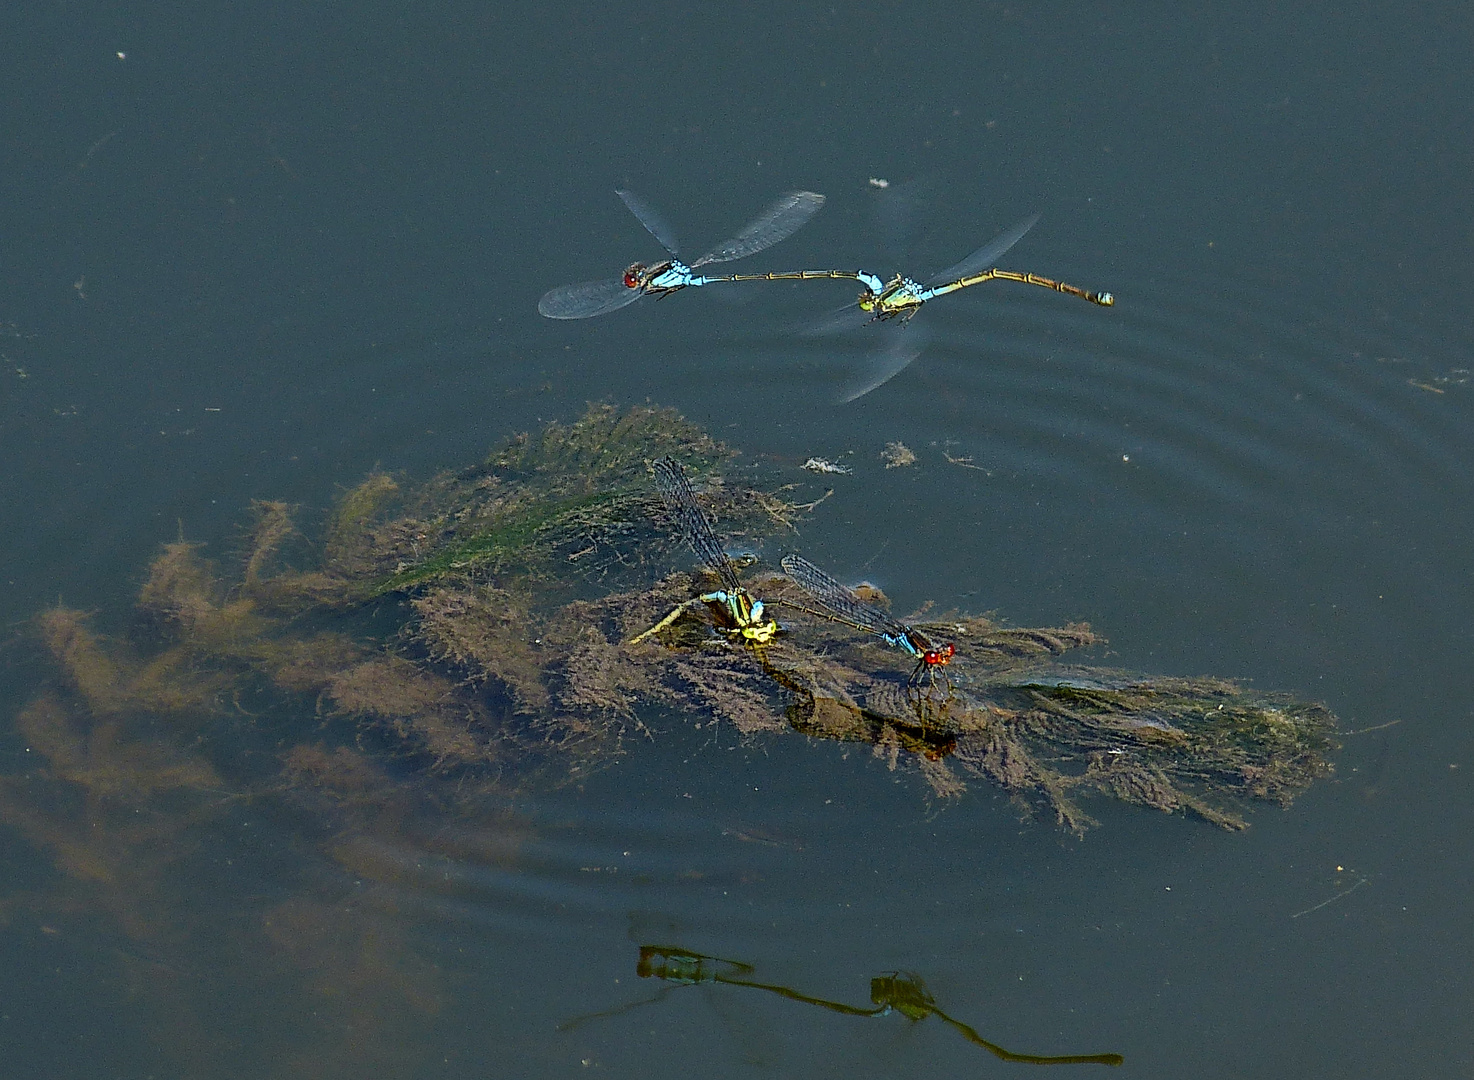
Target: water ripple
pixel 1224 392
pixel 566 865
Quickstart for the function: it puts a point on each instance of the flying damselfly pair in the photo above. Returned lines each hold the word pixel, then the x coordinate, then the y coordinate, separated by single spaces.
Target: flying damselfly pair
pixel 745 619
pixel 897 299
pixel 900 297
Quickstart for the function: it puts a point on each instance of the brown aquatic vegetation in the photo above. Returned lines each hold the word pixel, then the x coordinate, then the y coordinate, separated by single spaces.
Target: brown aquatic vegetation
pixel 485 630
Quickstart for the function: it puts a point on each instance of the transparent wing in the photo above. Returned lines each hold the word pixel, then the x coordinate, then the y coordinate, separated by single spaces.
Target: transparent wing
pixel 778 222
pixel 886 361
pixel 587 299
pixel 653 220
pixel 986 256
pixel 680 503
pixel 844 604
pixel 840 321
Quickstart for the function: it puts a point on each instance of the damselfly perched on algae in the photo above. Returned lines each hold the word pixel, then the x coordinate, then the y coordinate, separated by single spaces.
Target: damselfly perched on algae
pixel 739 614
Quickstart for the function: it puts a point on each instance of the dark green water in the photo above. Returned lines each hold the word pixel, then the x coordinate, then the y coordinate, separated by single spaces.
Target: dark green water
pixel 252 251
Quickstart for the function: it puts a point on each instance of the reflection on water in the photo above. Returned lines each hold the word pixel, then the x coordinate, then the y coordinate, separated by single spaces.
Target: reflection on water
pixel 897 992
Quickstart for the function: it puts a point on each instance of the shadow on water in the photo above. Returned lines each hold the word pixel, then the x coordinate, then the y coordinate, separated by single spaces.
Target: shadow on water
pixel 896 992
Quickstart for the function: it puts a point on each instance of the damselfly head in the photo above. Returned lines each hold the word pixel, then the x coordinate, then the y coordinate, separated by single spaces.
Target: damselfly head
pixel 867 300
pixel 939 657
pixel 636 276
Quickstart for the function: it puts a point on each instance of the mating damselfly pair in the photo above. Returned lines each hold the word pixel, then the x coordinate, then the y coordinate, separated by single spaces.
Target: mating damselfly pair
pixel 895 301
pixel 745 619
pixel 900 297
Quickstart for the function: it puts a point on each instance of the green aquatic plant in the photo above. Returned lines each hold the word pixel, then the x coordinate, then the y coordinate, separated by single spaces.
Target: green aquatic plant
pixel 566 495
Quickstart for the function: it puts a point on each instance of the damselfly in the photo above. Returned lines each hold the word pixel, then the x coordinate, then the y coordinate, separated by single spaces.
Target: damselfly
pixel 739 615
pixel 785 216
pixel 843 606
pixel 902 297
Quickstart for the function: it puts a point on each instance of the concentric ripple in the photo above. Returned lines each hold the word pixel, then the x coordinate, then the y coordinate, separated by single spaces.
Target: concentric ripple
pixel 1217 392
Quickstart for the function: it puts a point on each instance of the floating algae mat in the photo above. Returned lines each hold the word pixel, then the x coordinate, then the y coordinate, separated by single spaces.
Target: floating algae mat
pixel 459 640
